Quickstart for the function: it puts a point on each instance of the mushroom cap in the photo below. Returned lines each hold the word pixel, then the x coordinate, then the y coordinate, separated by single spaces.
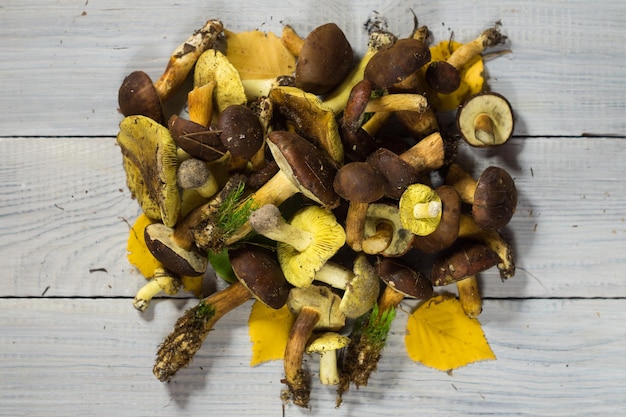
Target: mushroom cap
pixel 393 64
pixel 495 110
pixel 401 240
pixel 404 279
pixel 362 292
pixel 322 299
pixel 308 167
pixel 495 198
pixel 398 173
pixel 241 131
pixel 327 342
pixel 328 236
pixel 420 195
pixel 161 243
pixel 214 66
pixel 447 231
pixel 138 96
pixel 324 61
pixel 466 260
pixel 150 162
pixel 443 77
pixel 359 182
pixel 257 268
pixel 195 139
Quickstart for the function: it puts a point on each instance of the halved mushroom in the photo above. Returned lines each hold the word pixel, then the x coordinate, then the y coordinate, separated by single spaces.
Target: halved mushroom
pixel 383 233
pixel 150 162
pixel 485 119
pixel 493 196
pixel 258 274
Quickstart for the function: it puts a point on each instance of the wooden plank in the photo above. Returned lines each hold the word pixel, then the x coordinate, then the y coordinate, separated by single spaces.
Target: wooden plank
pixel 66 60
pixel 94 357
pixel 64 209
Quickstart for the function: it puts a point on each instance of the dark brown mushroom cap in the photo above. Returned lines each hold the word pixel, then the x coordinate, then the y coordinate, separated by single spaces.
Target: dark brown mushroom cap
pixel 359 182
pixel 138 96
pixel 241 131
pixel 356 104
pixel 495 199
pixel 195 139
pixel 403 278
pixel 466 260
pixel 392 65
pixel 311 169
pixel 258 269
pixel 324 61
pixel 442 77
pixel 180 260
pixel 447 231
pixel 397 173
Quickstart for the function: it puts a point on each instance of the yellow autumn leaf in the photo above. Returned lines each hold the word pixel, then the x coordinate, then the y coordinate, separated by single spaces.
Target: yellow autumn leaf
pixel 258 55
pixel 441 336
pixel 269 331
pixel 138 254
pixel 472 80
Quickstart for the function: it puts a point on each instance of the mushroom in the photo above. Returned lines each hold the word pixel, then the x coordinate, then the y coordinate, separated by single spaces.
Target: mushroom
pixel 349 184
pixel 258 274
pixel 397 173
pixel 162 281
pixel 241 133
pixel 316 307
pixel 447 230
pixel 444 77
pixel 139 96
pixel 383 231
pixel 420 209
pixel 324 60
pixel 150 161
pixel 327 344
pixel 461 267
pixel 194 174
pixel 493 196
pixel 214 67
pixel 195 139
pixel 305 244
pixel 393 64
pixel 485 119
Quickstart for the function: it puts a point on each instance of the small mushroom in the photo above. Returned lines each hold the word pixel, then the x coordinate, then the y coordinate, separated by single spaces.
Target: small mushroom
pixel 138 96
pixel 349 185
pixel 461 267
pixel 447 231
pixel 174 248
pixel 305 244
pixel 420 209
pixel 241 133
pixel 194 174
pixel 315 307
pixel 392 65
pixel 485 119
pixel 327 344
pixel 383 231
pixel 195 139
pixel 493 196
pixel 162 281
pixel 258 274
pixel 324 60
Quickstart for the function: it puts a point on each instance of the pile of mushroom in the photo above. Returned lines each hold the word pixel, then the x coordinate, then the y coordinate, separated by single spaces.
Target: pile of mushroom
pixel 329 187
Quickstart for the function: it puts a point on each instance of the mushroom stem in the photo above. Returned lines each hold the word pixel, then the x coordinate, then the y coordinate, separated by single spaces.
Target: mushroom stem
pixel 162 281
pixel 462 182
pixel 427 155
pixel 355 222
pixel 429 210
pixel 466 52
pixel 390 298
pixel 484 129
pixel 334 275
pixel 469 296
pixel 268 221
pixel 329 374
pixel 180 346
pixel 296 378
pixel 379 241
pixel 397 102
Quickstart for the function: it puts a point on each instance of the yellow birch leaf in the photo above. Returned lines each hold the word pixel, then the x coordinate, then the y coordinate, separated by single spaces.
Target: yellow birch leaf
pixel 472 79
pixel 441 336
pixel 269 331
pixel 138 254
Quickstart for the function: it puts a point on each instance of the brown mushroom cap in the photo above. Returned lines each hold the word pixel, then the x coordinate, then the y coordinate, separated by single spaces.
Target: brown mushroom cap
pixel 309 168
pixel 447 231
pixel 195 139
pixel 466 260
pixel 393 64
pixel 443 77
pixel 359 182
pixel 258 269
pixel 241 131
pixel 176 258
pixel 403 278
pixel 138 96
pixel 495 199
pixel 325 60
pixel 485 119
pixel 397 173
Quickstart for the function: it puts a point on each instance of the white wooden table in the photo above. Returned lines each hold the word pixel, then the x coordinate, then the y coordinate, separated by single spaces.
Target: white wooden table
pixel 71 342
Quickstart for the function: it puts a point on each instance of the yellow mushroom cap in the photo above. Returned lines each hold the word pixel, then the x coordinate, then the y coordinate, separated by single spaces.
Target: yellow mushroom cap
pixel 420 209
pixel 328 235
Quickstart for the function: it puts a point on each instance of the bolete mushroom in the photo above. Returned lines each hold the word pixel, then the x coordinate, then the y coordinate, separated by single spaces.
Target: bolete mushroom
pixel 315 307
pixel 304 245
pixel 258 274
pixel 461 267
pixel 241 133
pixel 324 60
pixel 493 195
pixel 485 119
pixel 195 139
pixel 393 64
pixel 327 344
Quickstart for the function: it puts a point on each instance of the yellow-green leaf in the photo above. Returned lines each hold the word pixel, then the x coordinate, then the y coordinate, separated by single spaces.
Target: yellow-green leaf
pixel 441 336
pixel 269 331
